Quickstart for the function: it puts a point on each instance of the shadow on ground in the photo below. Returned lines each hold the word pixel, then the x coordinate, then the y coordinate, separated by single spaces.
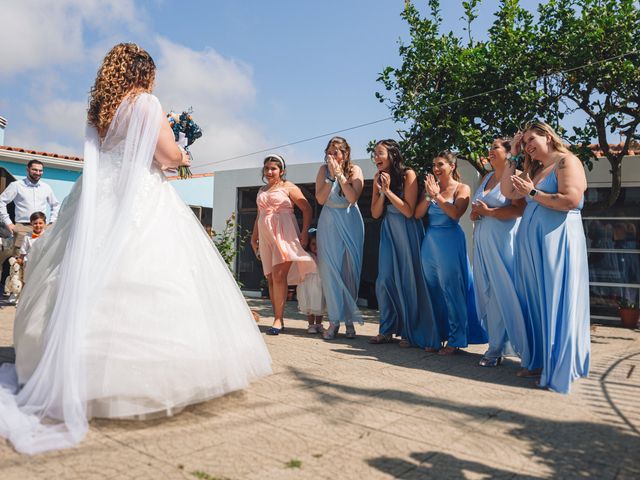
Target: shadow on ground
pixel 568 449
pixel 7 355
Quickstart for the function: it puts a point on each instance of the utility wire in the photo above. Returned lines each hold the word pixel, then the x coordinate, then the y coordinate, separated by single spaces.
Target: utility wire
pixel 443 104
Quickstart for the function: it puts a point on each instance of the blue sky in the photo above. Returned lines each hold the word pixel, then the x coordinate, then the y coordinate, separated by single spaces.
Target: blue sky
pixel 257 73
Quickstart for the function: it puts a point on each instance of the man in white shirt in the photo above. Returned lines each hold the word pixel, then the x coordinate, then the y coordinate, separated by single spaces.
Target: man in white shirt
pixel 28 195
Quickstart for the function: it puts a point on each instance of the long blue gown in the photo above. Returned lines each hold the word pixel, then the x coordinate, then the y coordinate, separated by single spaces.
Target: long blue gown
pixel 448 274
pixel 340 239
pixel 552 281
pixel 403 298
pixel 493 276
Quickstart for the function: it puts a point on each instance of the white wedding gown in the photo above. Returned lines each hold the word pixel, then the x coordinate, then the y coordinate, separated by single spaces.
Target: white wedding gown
pixel 128 308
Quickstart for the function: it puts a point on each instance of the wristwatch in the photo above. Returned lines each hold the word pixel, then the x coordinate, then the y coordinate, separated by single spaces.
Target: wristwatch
pixel 329 180
pixel 533 192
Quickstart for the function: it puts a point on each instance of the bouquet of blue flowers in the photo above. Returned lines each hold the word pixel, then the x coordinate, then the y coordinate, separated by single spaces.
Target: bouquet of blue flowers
pixel 186 131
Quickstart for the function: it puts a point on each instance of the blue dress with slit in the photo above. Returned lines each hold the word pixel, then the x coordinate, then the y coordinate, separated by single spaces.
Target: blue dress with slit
pixel 448 275
pixel 493 276
pixel 403 297
pixel 340 240
pixel 552 280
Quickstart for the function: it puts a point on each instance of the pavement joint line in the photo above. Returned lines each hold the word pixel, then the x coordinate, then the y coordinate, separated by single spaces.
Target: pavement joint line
pixel 135 449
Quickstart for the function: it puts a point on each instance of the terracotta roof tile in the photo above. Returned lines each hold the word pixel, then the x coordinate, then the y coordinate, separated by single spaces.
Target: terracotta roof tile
pixel 44 154
pixel 634 148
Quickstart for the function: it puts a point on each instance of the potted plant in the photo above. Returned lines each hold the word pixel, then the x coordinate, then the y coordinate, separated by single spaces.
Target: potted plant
pixel 629 313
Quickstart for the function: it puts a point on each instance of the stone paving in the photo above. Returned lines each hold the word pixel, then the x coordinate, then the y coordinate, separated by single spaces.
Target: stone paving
pixel 347 409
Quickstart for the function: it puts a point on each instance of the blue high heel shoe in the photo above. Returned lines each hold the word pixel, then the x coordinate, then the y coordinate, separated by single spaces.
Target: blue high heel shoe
pixel 490 362
pixel 274 331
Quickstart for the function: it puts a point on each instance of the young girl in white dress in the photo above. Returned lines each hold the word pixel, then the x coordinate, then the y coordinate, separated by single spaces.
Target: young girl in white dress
pixel 114 322
pixel 309 292
pixel 38 221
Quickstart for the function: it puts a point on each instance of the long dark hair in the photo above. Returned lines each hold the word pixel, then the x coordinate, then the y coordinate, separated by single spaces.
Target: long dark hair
pixel 398 169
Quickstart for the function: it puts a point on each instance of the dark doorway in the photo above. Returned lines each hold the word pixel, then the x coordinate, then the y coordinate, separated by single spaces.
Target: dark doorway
pixel 249 268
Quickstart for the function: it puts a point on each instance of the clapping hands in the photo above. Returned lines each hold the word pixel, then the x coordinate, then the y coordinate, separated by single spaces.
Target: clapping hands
pixel 431 186
pixel 332 165
pixel 383 181
pixel 479 209
pixel 522 184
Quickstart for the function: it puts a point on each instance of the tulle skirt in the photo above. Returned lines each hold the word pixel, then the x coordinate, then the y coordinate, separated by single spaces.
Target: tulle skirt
pixel 310 297
pixel 168 325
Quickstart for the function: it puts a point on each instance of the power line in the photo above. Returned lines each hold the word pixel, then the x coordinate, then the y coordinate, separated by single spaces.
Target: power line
pixel 443 104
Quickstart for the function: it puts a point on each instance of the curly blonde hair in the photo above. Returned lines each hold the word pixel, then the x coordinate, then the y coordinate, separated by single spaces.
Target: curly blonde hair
pixel 126 70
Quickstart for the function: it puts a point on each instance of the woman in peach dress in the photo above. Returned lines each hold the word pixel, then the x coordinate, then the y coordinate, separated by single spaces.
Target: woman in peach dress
pixel 277 240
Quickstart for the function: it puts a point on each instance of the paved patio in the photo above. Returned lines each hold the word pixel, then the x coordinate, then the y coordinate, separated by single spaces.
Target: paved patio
pixel 347 409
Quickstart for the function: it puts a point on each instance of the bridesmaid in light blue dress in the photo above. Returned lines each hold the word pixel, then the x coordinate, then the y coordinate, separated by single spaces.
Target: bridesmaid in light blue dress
pixel 444 256
pixel 496 223
pixel 403 298
pixel 340 236
pixel 551 258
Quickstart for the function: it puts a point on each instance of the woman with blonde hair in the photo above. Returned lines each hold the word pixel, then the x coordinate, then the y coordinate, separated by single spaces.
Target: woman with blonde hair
pixel 340 237
pixel 552 276
pixel 115 323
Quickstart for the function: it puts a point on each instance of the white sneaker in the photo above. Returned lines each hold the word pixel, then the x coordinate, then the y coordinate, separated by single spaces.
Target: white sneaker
pixel 316 328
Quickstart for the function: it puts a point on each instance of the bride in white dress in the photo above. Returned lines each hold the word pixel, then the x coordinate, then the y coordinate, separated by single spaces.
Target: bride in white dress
pixel 128 308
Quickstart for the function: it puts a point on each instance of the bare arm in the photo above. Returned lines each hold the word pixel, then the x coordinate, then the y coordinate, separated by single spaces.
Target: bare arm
pixel 351 187
pixel 456 209
pixel 422 207
pixel 303 204
pixel 407 204
pixel 506 181
pixel 254 237
pixel 168 155
pixel 322 188
pixel 377 199
pixel 572 183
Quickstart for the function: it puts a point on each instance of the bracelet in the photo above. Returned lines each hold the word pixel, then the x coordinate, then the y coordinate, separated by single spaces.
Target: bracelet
pixel 341 178
pixel 515 161
pixel 329 180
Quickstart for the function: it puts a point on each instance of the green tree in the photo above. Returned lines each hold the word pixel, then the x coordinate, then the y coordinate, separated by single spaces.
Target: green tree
pixel 459 94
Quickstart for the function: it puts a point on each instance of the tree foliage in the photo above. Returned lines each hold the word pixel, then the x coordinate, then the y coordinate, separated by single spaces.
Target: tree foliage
pixel 571 56
pixel 230 241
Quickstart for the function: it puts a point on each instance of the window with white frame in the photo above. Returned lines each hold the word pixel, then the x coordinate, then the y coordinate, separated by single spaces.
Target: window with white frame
pixel 613 247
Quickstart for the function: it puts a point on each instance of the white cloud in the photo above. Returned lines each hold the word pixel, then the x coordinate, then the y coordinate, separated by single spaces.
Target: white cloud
pixel 61 118
pixel 221 92
pixel 60 43
pixel 38 33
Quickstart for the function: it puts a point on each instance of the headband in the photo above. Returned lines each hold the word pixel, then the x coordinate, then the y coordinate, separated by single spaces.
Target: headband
pixel 278 158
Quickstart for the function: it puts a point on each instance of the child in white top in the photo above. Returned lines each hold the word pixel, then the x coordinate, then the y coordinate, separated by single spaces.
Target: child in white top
pixel 38 221
pixel 310 298
pixel 15 281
